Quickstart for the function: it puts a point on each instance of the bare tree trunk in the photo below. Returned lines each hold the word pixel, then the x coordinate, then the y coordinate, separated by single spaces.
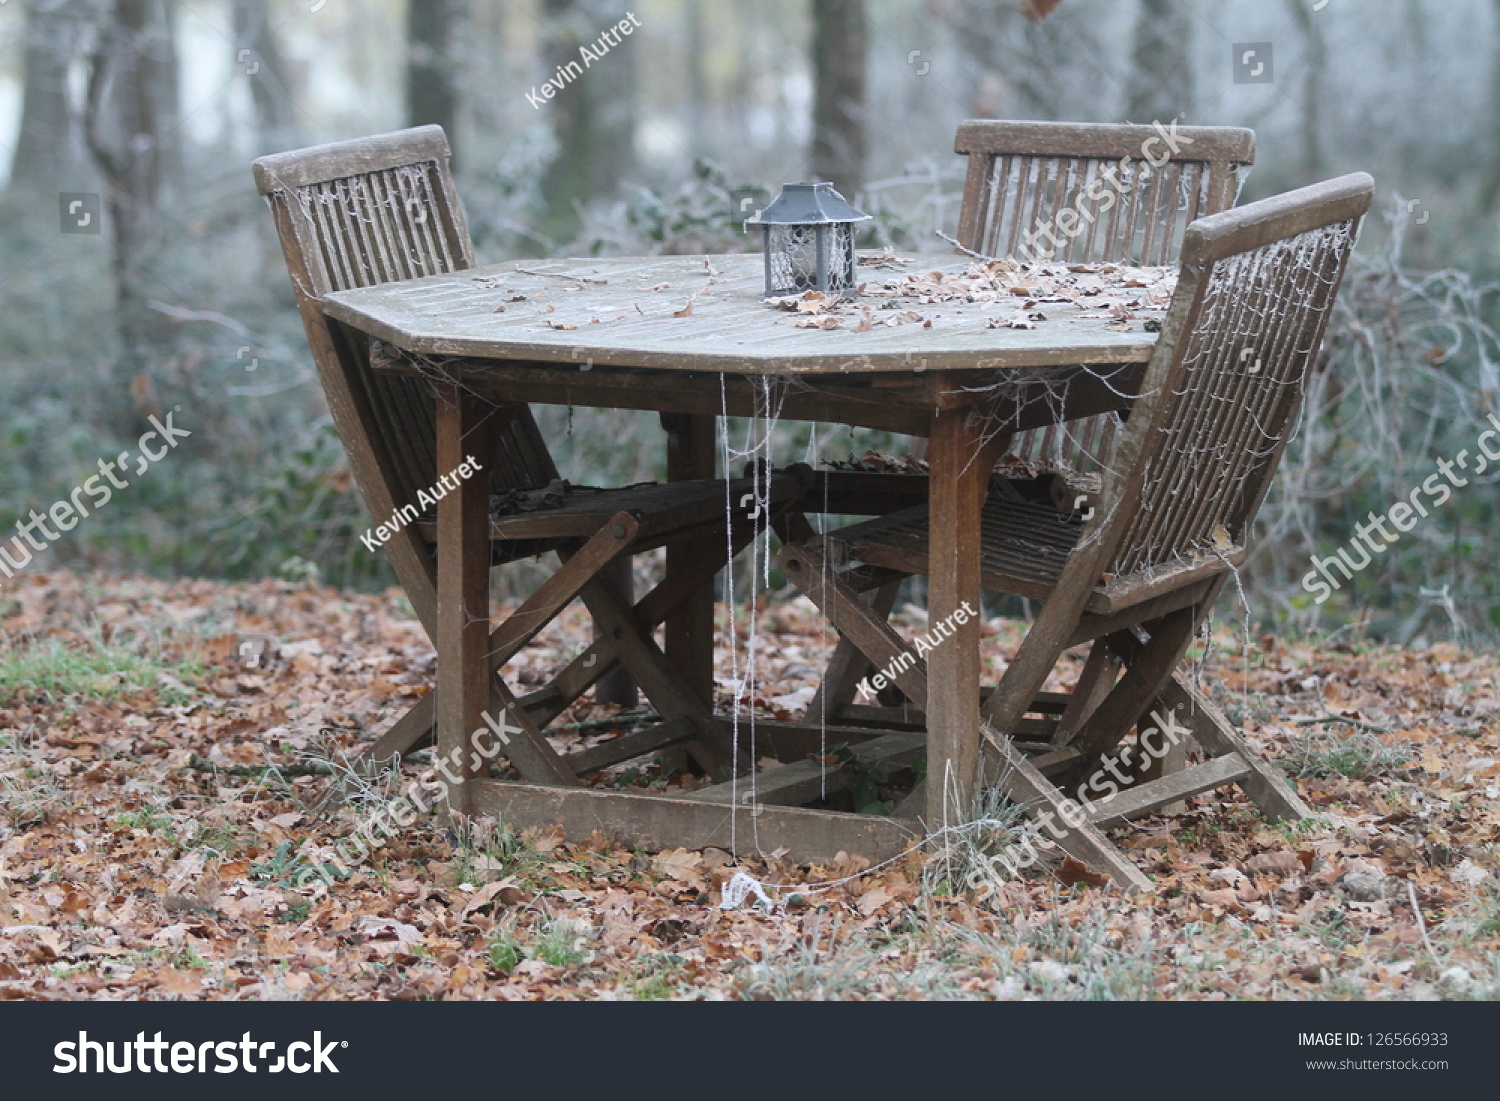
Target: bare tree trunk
pixel 45 151
pixel 1313 65
pixel 265 67
pixel 593 113
pixel 982 29
pixel 131 97
pixel 1161 79
pixel 435 35
pixel 697 104
pixel 838 56
pixel 1489 191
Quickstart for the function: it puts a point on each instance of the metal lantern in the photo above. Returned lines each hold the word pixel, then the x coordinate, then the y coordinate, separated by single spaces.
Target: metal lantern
pixel 809 241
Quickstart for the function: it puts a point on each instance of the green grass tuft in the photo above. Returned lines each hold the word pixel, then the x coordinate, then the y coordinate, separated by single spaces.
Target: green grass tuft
pixel 51 672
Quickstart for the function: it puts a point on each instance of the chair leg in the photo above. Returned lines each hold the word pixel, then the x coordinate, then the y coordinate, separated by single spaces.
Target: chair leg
pixel 855 620
pixel 1267 788
pixel 1145 673
pixel 505 641
pixel 847 665
pixel 663 684
pixel 1044 801
pixel 616 687
pixel 1094 684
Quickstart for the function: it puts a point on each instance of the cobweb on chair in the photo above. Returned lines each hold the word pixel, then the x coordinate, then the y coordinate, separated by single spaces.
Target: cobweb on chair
pixel 1225 434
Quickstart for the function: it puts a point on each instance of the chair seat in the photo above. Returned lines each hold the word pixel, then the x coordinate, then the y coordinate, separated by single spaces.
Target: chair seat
pixel 1023 548
pixel 1023 545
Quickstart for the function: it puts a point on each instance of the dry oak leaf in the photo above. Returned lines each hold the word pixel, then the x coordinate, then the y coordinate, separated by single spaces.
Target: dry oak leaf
pixel 380 928
pixel 173 981
pixel 1072 871
pixel 1227 898
pixel 503 889
pixel 679 864
pixel 619 928
pixel 814 302
pixel 1282 864
pixel 37 943
pixel 874 899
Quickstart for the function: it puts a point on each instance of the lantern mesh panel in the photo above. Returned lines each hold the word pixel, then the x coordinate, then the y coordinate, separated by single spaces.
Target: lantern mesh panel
pixel 793 258
pixel 792 252
pixel 841 260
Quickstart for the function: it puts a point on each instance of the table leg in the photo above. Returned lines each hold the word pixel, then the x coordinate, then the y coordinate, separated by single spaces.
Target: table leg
pixel 959 476
pixel 616 686
pixel 463 585
pixel 690 630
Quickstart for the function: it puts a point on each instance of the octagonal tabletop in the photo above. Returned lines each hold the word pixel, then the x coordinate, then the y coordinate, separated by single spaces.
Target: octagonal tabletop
pixel 707 314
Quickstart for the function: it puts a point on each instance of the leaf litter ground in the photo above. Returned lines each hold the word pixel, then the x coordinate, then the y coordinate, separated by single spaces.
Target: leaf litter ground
pixel 162 746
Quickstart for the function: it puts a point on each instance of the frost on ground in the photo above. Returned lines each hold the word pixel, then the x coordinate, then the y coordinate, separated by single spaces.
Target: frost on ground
pixel 163 746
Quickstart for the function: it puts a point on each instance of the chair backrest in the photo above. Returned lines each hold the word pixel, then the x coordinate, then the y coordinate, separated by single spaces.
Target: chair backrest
pixel 1225 384
pixel 355 214
pixel 1132 190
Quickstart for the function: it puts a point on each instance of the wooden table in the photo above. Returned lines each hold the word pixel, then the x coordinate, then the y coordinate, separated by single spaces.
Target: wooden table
pixel 691 336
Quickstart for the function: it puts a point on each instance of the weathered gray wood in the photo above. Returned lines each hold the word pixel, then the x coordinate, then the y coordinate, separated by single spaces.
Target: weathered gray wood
pixel 1025 784
pixel 615 687
pixel 1144 675
pixel 1092 626
pixel 1267 788
pixel 1142 799
pixel 350 158
pixel 638 744
pixel 845 399
pixel 661 822
pixel 852 618
pixel 841 678
pixel 689 633
pixel 729 331
pixel 1094 683
pixel 1022 175
pixel 868 400
pixel 998 137
pixel 793 741
pixel 961 451
pixel 804 781
pixel 663 684
pixel 1279 217
pixel 544 705
pixel 463 593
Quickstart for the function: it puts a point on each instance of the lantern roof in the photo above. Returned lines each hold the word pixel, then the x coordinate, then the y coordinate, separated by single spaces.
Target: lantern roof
pixel 808 204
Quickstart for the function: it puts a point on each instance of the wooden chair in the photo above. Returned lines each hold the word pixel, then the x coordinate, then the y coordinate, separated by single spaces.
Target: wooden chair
pixel 381 209
pixel 1218 401
pixel 1022 175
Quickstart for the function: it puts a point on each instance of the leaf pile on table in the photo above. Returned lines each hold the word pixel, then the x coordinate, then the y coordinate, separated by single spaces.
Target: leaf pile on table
pixel 1016 295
